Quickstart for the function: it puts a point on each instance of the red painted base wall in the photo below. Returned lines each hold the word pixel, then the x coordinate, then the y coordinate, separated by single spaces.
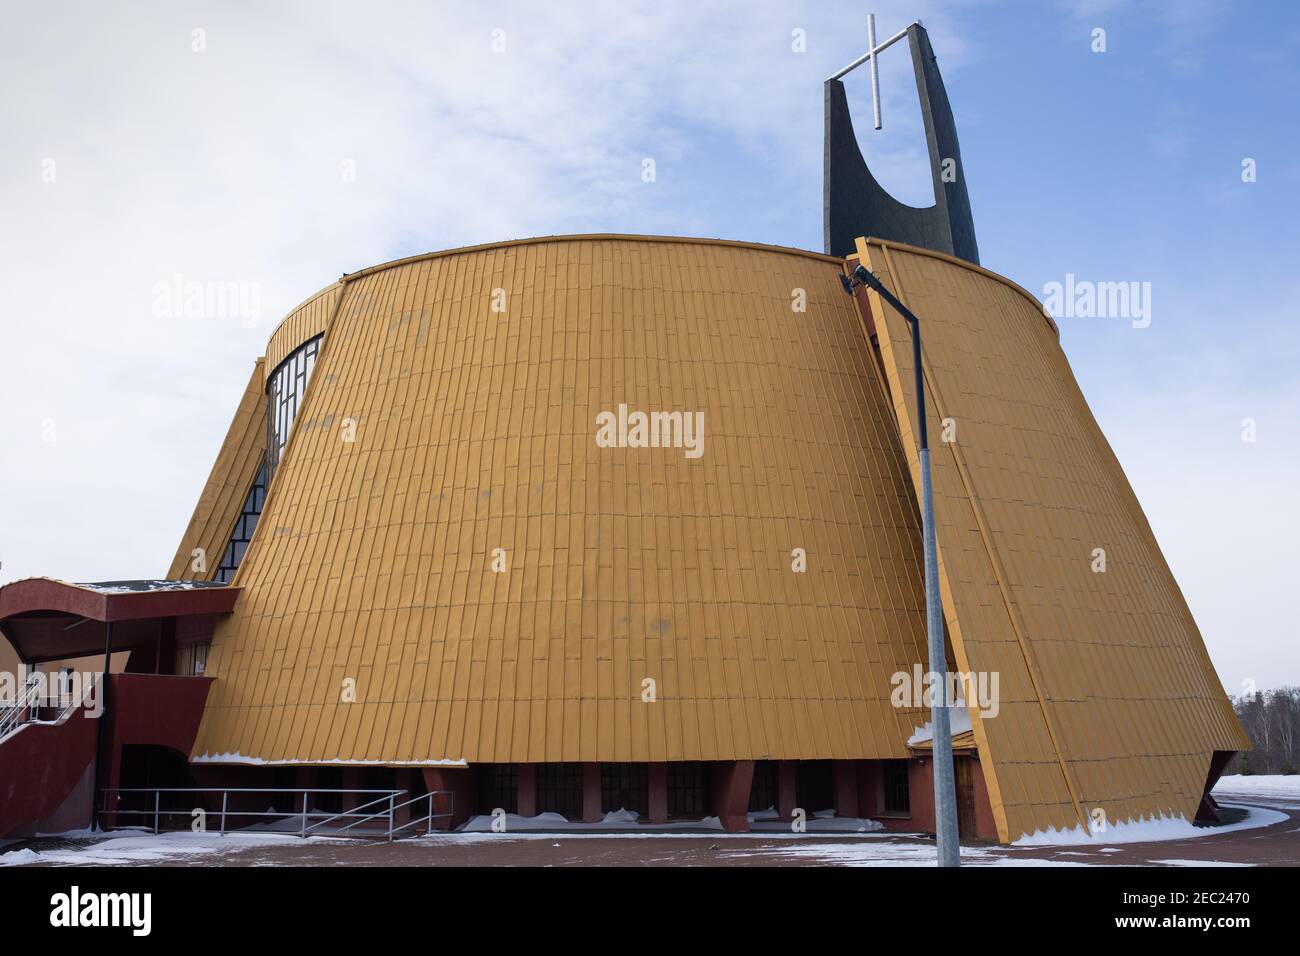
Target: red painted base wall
pixel 41 766
pixel 920 785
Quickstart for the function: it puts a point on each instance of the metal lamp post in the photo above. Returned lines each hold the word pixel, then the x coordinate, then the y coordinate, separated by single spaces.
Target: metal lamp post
pixel 945 796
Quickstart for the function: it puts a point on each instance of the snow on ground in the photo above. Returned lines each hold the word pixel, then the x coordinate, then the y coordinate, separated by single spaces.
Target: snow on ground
pixel 887 853
pixel 616 821
pixel 765 823
pixel 823 821
pixel 1150 829
pixel 1274 785
pixel 1197 863
pixel 118 847
pixel 19 857
pixel 823 840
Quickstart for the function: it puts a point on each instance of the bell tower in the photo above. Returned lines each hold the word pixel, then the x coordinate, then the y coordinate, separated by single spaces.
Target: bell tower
pixel 855 204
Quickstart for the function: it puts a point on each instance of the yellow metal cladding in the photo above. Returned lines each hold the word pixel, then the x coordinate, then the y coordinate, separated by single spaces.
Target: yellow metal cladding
pixel 649 609
pixel 227 486
pixel 300 325
pixel 1108 699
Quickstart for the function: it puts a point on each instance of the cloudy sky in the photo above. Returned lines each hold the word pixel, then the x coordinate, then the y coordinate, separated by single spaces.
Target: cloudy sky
pixel 281 145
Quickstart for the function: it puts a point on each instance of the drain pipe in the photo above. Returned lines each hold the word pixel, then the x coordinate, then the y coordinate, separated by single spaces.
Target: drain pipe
pixel 96 802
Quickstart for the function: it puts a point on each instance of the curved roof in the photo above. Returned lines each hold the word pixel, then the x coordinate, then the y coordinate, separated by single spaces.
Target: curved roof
pixel 312 315
pixel 47 619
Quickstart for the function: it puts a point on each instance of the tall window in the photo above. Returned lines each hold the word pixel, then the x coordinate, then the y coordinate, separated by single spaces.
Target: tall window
pixel 192 660
pixel 624 786
pixel 499 787
pixel 897 799
pixel 687 789
pixel 284 393
pixel 244 526
pixel 559 789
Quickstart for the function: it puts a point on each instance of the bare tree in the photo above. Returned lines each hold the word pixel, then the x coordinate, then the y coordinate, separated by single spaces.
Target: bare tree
pixel 1271 720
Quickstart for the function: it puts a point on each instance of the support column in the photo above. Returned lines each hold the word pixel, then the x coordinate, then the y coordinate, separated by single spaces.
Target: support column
pixel 351 784
pixel 658 774
pixel 730 784
pixel 304 779
pixel 868 787
pixel 846 788
pixel 460 796
pixel 591 793
pixel 111 781
pixel 785 792
pixel 986 826
pixel 406 781
pixel 920 794
pixel 527 783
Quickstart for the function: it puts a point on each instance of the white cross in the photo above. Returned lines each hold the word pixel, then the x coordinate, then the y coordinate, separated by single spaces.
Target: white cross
pixel 871 54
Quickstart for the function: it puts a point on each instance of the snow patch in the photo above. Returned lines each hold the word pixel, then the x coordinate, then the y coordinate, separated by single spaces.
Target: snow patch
pixel 130 847
pixel 958 718
pixel 543 822
pixel 888 853
pixel 1197 863
pixel 624 821
pixel 1274 784
pixel 620 815
pixel 1148 829
pixel 616 821
pixel 238 758
pixel 144 586
pixel 19 857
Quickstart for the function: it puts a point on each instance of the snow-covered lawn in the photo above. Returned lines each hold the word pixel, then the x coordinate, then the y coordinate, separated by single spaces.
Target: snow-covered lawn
pixel 1272 784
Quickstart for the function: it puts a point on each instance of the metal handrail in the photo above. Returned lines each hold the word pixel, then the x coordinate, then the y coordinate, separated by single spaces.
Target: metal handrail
pixel 391 812
pixel 157 812
pixel 25 709
pixel 428 817
pixel 24 705
pixel 388 796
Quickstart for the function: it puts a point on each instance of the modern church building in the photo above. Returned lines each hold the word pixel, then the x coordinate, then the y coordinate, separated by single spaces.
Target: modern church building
pixel 588 523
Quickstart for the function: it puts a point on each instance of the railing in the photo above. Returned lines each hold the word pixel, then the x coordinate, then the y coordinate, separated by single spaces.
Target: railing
pixel 26 709
pixel 19 710
pixel 382 809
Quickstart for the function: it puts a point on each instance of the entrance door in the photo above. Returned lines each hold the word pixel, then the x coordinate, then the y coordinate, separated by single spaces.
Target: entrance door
pixel 965 781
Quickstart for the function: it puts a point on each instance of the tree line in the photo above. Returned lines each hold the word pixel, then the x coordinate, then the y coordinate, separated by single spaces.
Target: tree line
pixel 1271 719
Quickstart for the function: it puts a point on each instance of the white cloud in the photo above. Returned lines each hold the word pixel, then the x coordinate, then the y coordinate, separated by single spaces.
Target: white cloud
pixel 226 166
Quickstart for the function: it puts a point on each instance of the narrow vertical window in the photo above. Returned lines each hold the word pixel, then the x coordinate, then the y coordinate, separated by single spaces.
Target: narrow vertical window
pixel 284 391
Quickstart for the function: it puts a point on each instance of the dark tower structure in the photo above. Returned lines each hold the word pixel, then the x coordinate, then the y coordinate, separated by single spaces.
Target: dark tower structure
pixel 856 205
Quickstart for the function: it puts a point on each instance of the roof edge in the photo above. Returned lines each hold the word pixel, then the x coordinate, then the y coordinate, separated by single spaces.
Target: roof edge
pixel 974 267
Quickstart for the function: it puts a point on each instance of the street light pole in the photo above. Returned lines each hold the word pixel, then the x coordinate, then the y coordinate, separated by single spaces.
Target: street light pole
pixel 945 797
